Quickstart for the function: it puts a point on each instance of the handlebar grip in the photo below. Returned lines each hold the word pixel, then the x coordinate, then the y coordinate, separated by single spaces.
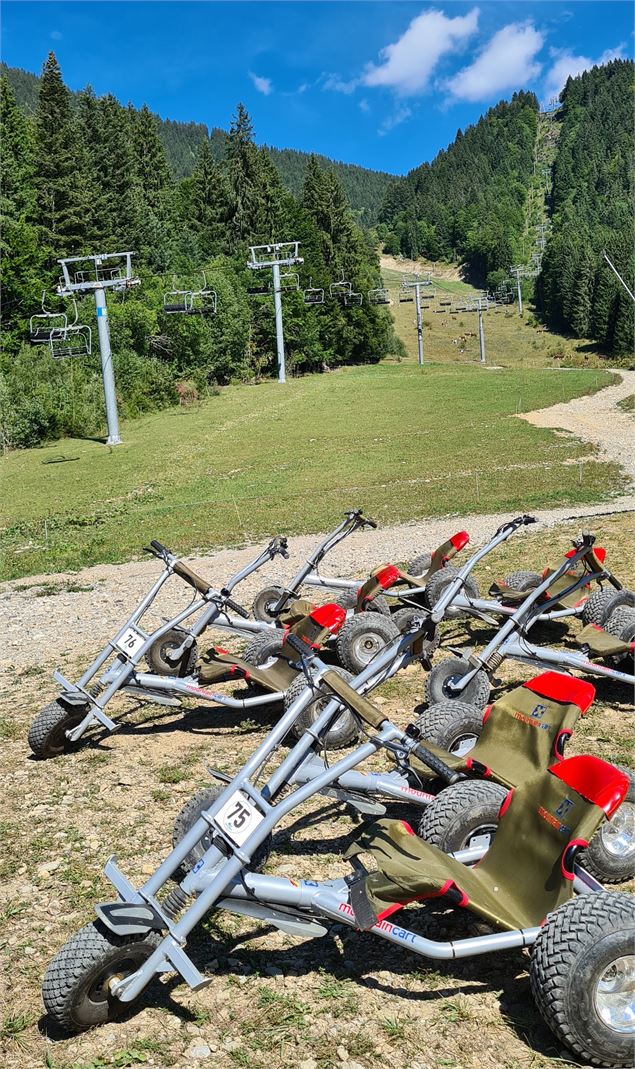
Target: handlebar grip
pixel 297 645
pixel 157 545
pixel 370 523
pixel 237 608
pixel 191 577
pixel 436 764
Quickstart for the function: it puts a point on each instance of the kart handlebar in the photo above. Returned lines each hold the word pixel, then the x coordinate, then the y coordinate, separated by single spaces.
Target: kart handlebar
pixel 435 764
pixel 231 604
pixel 520 521
pixel 363 521
pixel 191 577
pixel 279 545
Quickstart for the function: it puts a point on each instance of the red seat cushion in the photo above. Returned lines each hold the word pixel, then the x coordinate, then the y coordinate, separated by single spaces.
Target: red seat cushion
pixel 597 781
pixel 563 688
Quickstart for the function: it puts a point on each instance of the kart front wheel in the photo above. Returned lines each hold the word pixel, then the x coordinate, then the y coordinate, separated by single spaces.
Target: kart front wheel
pixel 344 731
pixel 583 975
pixel 160 656
pixel 47 734
pixel 418 566
pixel 438 584
pixel 443 675
pixel 463 815
pixel 264 602
pixel 454 725
pixel 77 984
pixel 522 581
pixel 601 604
pixel 362 637
pixel 187 818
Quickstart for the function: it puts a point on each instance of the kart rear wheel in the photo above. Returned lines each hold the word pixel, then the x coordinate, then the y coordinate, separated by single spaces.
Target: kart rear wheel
pixel 76 987
pixel 454 725
pixel 463 815
pixel 452 670
pixel 159 657
pixel 403 619
pixel 622 621
pixel 264 649
pixel 437 585
pixel 362 637
pixel 418 566
pixel 186 819
pixel 522 580
pixel 47 734
pixel 347 599
pixel 610 856
pixel 263 603
pixel 582 975
pixel 601 605
pixel 343 732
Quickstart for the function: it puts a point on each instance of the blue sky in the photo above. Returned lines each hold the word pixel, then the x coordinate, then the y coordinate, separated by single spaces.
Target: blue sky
pixel 383 84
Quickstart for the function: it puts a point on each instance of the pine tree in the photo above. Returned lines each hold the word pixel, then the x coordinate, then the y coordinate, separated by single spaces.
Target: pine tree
pixel 208 202
pixel 151 166
pixel 65 194
pixel 582 299
pixel 244 174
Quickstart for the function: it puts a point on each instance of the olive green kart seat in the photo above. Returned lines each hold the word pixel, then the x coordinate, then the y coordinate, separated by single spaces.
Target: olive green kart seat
pixel 600 643
pixel 388 575
pixel 527 871
pixel 313 624
pixel 572 600
pixel 523 732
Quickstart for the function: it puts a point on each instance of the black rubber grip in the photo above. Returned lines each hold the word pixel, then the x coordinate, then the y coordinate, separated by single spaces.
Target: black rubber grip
pixel 369 523
pixel 297 645
pixel 435 764
pixel 236 608
pixel 157 545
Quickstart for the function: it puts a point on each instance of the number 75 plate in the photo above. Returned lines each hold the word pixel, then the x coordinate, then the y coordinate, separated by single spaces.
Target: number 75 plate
pixel 238 818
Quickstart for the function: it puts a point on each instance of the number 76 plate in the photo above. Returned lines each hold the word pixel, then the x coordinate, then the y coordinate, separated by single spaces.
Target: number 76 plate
pixel 238 818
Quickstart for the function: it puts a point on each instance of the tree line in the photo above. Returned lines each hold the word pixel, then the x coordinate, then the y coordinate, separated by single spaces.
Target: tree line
pixel 93 177
pixel 592 211
pixel 468 204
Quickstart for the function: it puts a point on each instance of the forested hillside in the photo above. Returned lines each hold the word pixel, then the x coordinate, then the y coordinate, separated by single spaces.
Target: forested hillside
pixel 365 189
pixel 593 210
pixel 468 203
pixel 94 177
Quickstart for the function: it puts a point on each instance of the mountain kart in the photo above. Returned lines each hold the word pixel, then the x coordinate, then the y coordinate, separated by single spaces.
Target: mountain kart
pixel 523 889
pixel 266 666
pixel 467 678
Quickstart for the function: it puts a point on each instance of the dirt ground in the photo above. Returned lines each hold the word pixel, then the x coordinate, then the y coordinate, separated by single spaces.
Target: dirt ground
pixel 345 1000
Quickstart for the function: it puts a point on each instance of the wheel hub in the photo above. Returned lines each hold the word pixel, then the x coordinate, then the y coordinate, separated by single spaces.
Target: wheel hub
pixel 619 833
pixel 463 744
pixel 480 837
pixel 614 995
pixel 366 647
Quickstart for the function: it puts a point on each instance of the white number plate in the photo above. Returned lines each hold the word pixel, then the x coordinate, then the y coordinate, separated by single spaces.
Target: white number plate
pixel 238 818
pixel 130 641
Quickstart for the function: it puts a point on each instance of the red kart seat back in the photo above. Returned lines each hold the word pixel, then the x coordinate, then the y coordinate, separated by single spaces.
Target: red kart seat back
pixel 599 551
pixel 563 688
pixel 387 576
pixel 600 783
pixel 329 616
pixel 460 540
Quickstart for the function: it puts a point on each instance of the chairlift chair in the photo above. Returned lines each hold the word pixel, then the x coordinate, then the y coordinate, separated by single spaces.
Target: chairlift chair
pixel 406 297
pixel 204 301
pixel 43 324
pixel 177 301
pixel 313 294
pixel 289 280
pixel 354 300
pixel 340 289
pixel 379 296
pixel 258 291
pixel 73 339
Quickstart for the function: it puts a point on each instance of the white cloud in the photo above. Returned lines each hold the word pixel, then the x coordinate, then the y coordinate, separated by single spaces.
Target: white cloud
pixel 364 105
pixel 567 65
pixel 263 85
pixel 340 85
pixel 398 116
pixel 408 64
pixel 506 62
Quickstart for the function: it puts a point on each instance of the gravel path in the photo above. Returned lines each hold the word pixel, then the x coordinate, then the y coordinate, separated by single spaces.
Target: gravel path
pixel 39 615
pixel 597 419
